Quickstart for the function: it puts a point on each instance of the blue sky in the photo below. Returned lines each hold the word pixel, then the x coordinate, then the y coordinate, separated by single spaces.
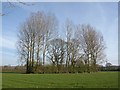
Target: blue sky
pixel 102 16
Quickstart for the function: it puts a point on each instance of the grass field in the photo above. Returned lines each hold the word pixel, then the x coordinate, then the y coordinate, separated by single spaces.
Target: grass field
pixel 82 80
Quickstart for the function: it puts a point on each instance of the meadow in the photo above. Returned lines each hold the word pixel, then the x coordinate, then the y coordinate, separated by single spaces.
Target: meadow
pixel 81 80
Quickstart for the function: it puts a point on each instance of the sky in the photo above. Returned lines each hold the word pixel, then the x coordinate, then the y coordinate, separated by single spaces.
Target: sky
pixel 103 16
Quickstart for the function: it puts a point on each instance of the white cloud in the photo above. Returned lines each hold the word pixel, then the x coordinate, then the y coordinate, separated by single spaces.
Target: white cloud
pixel 6 56
pixel 7 42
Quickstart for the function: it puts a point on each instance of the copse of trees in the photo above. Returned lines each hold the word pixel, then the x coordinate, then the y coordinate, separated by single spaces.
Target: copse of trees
pixel 80 51
pixel 33 35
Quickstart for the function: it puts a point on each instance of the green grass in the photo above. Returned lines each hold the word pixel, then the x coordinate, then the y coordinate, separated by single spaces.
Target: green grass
pixel 82 80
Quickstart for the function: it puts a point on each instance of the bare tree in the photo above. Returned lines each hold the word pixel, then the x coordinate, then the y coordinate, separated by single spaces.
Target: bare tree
pixel 49 29
pixel 92 45
pixel 24 46
pixel 56 52
pixel 39 28
pixel 74 52
pixel 35 33
pixel 68 29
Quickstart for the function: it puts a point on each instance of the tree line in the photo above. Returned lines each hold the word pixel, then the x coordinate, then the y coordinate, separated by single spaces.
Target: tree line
pixel 80 49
